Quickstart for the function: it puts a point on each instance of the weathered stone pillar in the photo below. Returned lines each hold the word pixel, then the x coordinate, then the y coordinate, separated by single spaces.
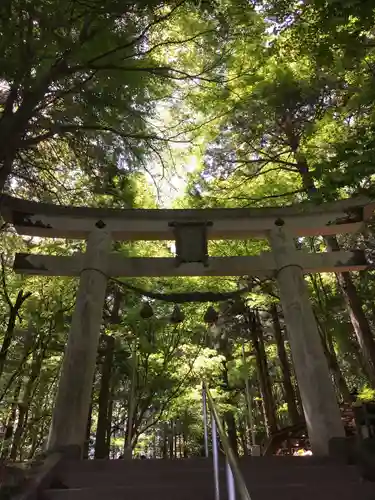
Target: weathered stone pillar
pixel 318 397
pixel 72 404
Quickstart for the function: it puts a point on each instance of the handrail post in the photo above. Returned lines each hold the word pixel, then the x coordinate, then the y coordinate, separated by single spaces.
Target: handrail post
pixel 230 482
pixel 204 402
pixel 218 429
pixel 215 454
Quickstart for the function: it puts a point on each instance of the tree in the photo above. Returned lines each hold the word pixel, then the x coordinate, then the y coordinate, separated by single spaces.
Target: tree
pixel 101 441
pixel 84 81
pixel 290 395
pixel 275 127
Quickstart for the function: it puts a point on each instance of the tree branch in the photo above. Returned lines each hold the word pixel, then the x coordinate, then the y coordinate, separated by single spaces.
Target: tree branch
pixel 68 128
pixel 139 37
pixel 268 197
pixel 3 279
pixel 264 160
pixel 162 71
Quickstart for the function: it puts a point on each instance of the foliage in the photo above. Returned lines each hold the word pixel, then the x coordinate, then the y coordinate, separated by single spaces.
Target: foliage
pixel 83 84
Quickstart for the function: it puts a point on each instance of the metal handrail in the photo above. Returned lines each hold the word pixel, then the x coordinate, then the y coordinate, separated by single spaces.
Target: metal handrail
pixel 229 453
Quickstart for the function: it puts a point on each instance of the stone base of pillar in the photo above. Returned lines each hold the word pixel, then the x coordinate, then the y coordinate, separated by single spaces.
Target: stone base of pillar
pixel 343 449
pixel 365 458
pixel 255 450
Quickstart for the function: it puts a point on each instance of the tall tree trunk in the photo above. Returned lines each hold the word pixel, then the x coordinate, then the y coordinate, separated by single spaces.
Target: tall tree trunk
pixel 23 407
pixel 28 342
pixel 86 444
pixel 294 380
pixel 101 448
pixel 131 406
pixel 34 442
pixel 261 413
pixel 154 445
pixel 185 437
pixel 357 315
pixel 118 296
pixel 223 347
pixel 263 374
pixel 290 395
pixel 341 382
pixel 6 162
pixel 164 450
pixel 41 400
pixel 109 422
pixel 180 450
pixel 243 435
pixel 327 341
pixel 171 440
pixel 357 362
pixel 41 343
pixel 9 426
pixel 230 422
pixel 175 439
pixel 13 314
pixel 352 350
pixel 333 363
pixel 229 419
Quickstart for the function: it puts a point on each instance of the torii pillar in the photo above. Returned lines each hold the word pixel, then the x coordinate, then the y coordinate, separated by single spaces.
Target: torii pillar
pixel 319 401
pixel 69 420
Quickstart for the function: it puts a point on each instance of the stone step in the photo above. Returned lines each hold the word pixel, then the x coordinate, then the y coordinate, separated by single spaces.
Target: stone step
pixel 288 460
pixel 98 465
pixel 263 463
pixel 172 492
pixel 75 477
pixel 256 471
pixel 302 475
pixel 140 492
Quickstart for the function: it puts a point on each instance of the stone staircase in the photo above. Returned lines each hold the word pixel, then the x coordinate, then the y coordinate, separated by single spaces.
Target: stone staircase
pixel 267 478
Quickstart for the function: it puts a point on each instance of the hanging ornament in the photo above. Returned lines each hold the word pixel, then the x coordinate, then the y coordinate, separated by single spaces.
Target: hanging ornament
pixel 146 312
pixel 211 315
pixel 177 315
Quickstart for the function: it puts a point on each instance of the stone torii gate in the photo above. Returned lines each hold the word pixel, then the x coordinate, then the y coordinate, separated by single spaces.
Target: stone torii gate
pixel 191 229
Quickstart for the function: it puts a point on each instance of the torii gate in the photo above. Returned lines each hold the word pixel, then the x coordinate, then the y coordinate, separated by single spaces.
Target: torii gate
pixel 190 229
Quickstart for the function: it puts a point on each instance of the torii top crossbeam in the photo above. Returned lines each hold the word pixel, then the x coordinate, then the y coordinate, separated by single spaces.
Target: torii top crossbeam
pixel 42 219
